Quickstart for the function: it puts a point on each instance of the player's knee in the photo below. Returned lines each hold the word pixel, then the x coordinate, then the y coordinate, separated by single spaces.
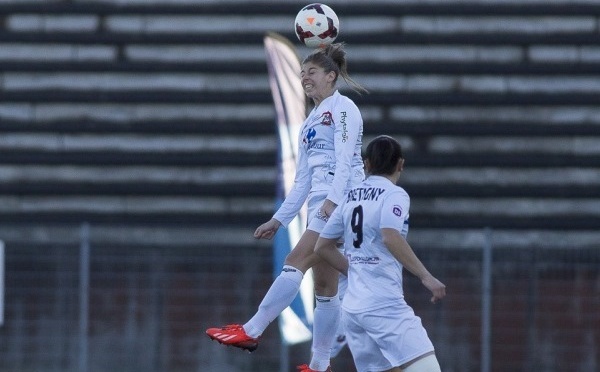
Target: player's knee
pixel 298 259
pixel 325 284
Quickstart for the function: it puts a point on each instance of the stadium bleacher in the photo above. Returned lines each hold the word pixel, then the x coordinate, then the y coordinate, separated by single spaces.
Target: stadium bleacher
pixel 125 101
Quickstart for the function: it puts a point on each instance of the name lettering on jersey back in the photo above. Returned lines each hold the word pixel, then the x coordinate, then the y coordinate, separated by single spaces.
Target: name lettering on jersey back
pixel 362 193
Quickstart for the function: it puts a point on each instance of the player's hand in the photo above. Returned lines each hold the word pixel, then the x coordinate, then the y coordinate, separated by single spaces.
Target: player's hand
pixel 437 288
pixel 267 230
pixel 327 208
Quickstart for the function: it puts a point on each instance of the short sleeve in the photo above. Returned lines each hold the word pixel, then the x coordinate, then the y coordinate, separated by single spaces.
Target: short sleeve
pixel 394 210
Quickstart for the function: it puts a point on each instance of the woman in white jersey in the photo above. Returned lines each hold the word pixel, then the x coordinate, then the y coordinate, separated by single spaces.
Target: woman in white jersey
pixel 329 164
pixel 382 330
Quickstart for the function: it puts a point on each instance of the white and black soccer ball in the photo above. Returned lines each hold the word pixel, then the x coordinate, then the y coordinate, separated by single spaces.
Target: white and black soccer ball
pixel 316 25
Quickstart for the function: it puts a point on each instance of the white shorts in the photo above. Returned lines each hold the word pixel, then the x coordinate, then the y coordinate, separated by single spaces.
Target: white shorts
pixel 316 222
pixel 385 338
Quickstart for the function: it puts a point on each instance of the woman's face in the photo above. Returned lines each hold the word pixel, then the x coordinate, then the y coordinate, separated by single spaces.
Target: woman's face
pixel 316 83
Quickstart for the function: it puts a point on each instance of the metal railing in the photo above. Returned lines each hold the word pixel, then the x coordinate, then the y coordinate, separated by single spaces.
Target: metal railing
pixel 140 308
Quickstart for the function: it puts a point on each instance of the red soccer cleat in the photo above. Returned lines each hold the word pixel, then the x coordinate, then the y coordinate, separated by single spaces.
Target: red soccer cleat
pixel 306 368
pixel 233 335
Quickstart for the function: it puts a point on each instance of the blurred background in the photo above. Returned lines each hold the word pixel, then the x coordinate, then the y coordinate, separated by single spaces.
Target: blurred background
pixel 138 152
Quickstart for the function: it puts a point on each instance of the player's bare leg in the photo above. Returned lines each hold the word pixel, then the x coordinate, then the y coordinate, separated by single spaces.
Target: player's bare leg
pixel 280 295
pixel 425 363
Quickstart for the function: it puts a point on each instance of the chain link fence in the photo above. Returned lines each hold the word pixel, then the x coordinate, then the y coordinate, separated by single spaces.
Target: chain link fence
pixel 145 308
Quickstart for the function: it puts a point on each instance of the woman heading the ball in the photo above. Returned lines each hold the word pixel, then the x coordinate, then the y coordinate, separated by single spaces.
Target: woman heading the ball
pixel 329 165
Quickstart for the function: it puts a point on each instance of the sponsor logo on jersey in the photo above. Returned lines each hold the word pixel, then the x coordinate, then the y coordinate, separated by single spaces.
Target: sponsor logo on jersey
pixel 310 135
pixel 365 193
pixel 364 260
pixel 326 118
pixel 344 126
pixel 318 146
pixel 397 210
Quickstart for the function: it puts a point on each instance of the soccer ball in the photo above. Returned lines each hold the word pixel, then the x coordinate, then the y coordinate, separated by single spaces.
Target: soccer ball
pixel 317 25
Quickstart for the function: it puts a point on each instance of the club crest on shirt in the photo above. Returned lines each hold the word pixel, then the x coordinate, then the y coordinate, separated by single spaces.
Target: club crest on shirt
pixel 397 210
pixel 326 118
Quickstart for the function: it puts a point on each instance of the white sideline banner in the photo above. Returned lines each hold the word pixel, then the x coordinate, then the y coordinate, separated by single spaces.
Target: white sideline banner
pixel 283 65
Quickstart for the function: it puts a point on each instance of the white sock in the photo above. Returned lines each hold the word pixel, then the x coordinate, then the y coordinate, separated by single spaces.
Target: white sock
pixel 281 294
pixel 327 318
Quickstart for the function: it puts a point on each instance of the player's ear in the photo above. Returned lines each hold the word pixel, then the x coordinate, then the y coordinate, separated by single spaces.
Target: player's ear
pixel 367 165
pixel 400 166
pixel 331 76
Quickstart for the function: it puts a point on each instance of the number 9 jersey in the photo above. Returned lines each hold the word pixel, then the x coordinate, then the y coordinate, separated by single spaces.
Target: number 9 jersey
pixel 374 274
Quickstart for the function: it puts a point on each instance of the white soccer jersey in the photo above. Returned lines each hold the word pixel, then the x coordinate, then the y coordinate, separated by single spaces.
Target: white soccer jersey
pixel 374 274
pixel 329 155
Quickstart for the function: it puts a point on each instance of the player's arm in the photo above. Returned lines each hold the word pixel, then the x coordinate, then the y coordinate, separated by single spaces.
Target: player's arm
pixel 348 122
pixel 326 246
pixel 403 252
pixel 296 197
pixel 292 203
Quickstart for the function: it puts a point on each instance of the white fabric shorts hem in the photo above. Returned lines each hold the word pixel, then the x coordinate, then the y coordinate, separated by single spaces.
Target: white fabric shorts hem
pixel 385 338
pixel 315 221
